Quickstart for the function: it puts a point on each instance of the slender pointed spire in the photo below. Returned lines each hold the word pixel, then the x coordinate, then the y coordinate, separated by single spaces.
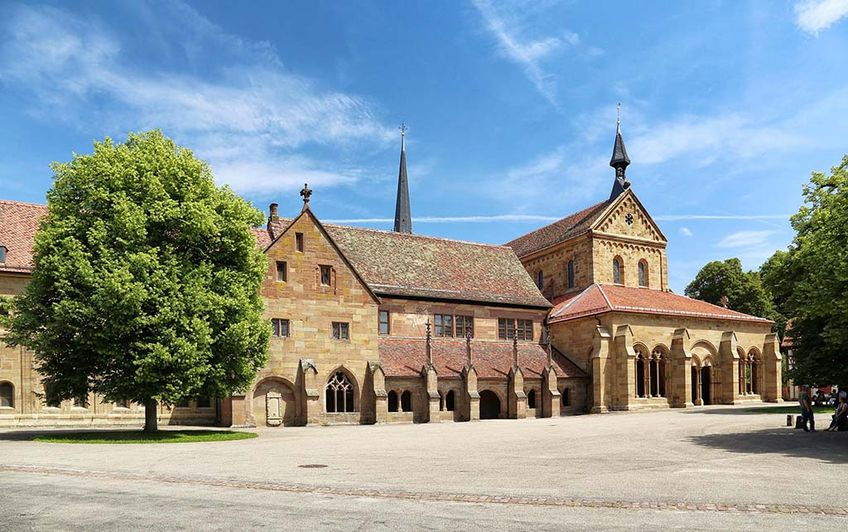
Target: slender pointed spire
pixel 403 215
pixel 619 159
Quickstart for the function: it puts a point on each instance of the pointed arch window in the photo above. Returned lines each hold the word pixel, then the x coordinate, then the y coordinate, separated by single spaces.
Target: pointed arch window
pixel 406 401
pixel 617 271
pixel 7 395
pixel 450 401
pixel 339 393
pixel 393 401
pixel 531 399
pixel 540 279
pixel 569 273
pixel 643 273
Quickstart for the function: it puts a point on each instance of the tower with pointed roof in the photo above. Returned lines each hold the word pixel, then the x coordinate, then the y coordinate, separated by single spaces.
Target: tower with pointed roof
pixel 619 160
pixel 403 214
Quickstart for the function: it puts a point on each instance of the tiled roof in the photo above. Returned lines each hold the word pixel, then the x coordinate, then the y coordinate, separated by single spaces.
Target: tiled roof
pixel 407 265
pixel 559 231
pixel 18 224
pixel 597 299
pixel 404 357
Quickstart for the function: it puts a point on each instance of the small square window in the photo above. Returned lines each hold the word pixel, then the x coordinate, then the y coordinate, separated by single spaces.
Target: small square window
pixel 298 242
pixel 280 327
pixel 385 326
pixel 282 271
pixel 325 274
pixel 341 330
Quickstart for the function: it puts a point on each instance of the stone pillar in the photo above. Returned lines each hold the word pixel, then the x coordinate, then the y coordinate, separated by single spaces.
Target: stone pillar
pixel 431 385
pixel 772 369
pixel 517 407
pixel 311 392
pixel 550 393
pixel 380 396
pixel 624 375
pixel 471 403
pixel 680 371
pixel 600 359
pixel 728 370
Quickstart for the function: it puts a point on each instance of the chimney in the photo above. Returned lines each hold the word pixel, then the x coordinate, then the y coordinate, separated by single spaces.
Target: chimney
pixel 274 215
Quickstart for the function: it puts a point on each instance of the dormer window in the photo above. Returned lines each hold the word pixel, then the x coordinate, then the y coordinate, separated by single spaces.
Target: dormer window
pixel 3 251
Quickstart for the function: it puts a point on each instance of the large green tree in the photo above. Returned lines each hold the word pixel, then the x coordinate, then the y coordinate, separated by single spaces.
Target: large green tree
pixel 811 280
pixel 744 290
pixel 146 280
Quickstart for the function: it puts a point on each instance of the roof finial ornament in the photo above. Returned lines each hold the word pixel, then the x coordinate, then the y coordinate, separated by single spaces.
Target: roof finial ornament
pixel 403 213
pixel 619 159
pixel 305 193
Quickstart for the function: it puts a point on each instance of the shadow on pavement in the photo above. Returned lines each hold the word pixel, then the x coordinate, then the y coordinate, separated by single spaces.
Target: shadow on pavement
pixel 826 446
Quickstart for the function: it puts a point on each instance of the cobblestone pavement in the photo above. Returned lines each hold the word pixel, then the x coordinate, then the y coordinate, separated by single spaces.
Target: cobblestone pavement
pixel 710 468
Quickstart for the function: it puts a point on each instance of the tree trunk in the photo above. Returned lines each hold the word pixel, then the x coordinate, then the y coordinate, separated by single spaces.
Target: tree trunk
pixel 151 422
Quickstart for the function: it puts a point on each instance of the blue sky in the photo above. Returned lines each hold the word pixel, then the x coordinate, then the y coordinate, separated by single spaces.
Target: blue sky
pixel 726 106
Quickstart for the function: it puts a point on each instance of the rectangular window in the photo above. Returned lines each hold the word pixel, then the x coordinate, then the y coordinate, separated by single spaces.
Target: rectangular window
pixel 298 242
pixel 280 327
pixel 341 330
pixel 385 327
pixel 325 274
pixel 464 326
pixel 443 324
pixel 508 327
pixel 282 273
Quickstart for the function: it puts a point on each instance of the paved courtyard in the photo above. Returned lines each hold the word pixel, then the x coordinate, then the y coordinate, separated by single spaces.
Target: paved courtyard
pixel 710 468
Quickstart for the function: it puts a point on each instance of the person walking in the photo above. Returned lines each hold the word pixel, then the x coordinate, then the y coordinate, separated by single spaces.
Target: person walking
pixel 807 409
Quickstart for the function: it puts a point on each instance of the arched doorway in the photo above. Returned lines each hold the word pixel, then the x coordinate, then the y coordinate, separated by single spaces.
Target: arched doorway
pixel 274 403
pixel 490 405
pixel 706 380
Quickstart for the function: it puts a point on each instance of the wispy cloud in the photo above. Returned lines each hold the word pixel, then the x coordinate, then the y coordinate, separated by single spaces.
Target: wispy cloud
pixel 813 16
pixel 745 239
pixel 505 22
pixel 249 116
pixel 498 218
pixel 685 231
pixel 738 217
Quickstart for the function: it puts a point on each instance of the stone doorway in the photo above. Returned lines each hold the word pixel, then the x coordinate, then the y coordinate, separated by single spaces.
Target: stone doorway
pixel 274 403
pixel 490 405
pixel 706 379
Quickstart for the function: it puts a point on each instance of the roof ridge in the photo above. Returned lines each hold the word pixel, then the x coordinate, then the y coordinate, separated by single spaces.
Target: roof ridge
pixel 26 203
pixel 414 235
pixel 575 213
pixel 601 289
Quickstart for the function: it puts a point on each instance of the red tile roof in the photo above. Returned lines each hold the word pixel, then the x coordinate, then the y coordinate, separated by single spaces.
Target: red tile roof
pixel 598 299
pixel 404 357
pixel 18 224
pixel 559 231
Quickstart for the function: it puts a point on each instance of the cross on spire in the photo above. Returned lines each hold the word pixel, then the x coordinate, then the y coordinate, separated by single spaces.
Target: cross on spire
pixel 305 193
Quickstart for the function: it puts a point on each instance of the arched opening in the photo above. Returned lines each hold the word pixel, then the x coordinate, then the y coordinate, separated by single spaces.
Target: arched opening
pixel 406 401
pixel 531 399
pixel 617 271
pixel 393 401
pixel 706 380
pixel 694 384
pixel 274 403
pixel 753 372
pixel 643 273
pixel 450 401
pixel 7 395
pixel 640 375
pixel 490 405
pixel 339 395
pixel 563 397
pixel 658 372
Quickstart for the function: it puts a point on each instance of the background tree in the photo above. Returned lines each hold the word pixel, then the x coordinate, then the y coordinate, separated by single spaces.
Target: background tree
pixel 744 290
pixel 146 280
pixel 811 280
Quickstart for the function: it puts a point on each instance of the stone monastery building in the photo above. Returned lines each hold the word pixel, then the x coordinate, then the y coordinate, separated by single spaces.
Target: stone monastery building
pixel 388 326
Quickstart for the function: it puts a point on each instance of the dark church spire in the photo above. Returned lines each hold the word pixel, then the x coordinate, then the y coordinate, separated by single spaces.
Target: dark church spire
pixel 619 160
pixel 403 216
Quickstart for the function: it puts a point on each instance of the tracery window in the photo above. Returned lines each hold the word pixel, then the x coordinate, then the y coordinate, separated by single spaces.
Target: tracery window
pixel 7 395
pixel 616 270
pixel 569 273
pixel 643 273
pixel 339 393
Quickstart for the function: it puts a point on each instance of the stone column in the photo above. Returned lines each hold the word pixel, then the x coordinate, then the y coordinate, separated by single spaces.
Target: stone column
pixel 600 359
pixel 772 370
pixel 625 367
pixel 550 393
pixel 431 385
pixel 517 408
pixel 471 402
pixel 311 392
pixel 680 368
pixel 381 397
pixel 728 370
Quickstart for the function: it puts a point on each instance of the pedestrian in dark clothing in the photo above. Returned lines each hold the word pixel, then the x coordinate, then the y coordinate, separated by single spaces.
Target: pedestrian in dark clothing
pixel 807 410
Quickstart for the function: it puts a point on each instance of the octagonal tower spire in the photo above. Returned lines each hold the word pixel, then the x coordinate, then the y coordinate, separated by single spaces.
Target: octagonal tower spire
pixel 403 214
pixel 619 160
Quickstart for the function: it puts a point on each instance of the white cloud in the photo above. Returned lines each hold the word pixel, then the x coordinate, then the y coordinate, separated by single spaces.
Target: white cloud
pixel 685 231
pixel 455 219
pixel 504 22
pixel 813 16
pixel 745 239
pixel 246 117
pixel 679 217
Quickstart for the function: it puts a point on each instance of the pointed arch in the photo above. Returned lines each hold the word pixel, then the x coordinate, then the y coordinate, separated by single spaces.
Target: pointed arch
pixel 643 273
pixel 617 270
pixel 340 392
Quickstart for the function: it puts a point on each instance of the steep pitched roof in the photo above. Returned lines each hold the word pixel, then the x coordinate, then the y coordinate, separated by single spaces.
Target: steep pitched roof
pixel 559 231
pixel 18 224
pixel 407 265
pixel 404 357
pixel 598 299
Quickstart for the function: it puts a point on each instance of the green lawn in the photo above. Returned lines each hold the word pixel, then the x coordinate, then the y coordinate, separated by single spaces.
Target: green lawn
pixel 131 436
